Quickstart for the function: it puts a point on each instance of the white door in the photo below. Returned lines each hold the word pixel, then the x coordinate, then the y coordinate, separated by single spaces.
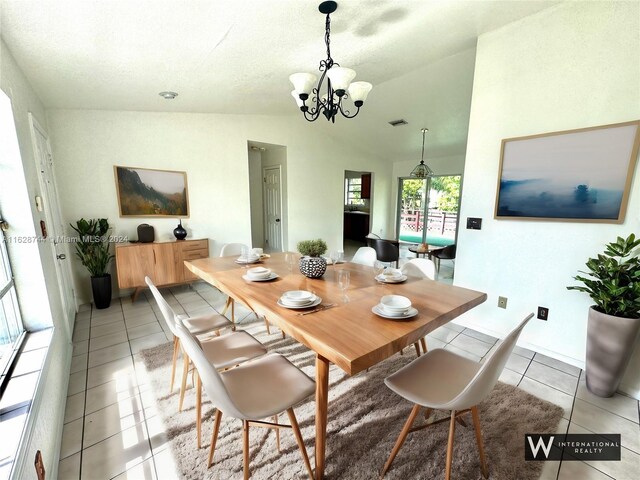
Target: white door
pixel 54 223
pixel 272 209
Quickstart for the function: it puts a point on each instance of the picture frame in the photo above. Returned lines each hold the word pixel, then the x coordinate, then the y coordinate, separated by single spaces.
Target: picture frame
pixel 581 175
pixel 148 192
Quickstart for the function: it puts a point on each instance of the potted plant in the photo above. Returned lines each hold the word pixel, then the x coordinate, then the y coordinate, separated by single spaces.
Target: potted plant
pixel 92 248
pixel 613 282
pixel 312 264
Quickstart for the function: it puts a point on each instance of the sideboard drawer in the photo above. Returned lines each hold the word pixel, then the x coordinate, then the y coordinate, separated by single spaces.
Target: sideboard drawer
pixel 195 245
pixel 194 254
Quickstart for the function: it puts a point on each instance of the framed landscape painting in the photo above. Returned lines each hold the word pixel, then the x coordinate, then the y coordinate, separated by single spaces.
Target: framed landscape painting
pixel 145 192
pixel 576 176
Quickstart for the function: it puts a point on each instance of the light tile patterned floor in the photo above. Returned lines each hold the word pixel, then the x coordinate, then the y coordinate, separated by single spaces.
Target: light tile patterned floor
pixel 113 431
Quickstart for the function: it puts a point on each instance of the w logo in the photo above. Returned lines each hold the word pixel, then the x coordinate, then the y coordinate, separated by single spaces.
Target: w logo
pixel 540 444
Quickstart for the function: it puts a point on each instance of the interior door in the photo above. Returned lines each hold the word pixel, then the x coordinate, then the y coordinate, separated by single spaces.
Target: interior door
pixel 272 209
pixel 54 224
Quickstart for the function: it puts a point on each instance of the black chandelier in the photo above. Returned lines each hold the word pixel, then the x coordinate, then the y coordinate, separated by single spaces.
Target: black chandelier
pixel 339 83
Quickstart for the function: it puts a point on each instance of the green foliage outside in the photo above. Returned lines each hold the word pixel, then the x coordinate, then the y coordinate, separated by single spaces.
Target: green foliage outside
pixel 92 245
pixel 450 192
pixel 312 248
pixel 613 281
pixel 449 188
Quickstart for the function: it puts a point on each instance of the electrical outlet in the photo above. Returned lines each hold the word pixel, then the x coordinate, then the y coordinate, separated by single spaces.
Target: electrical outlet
pixel 502 302
pixel 543 313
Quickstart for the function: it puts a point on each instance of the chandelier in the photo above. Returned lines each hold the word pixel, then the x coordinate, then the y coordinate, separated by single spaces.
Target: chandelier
pixel 307 93
pixel 422 170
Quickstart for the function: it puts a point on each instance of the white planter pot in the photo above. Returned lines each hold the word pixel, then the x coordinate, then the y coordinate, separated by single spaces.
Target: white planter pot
pixel 610 343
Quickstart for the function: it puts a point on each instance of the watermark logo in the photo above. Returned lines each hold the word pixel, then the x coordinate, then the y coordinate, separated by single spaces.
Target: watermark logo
pixel 572 446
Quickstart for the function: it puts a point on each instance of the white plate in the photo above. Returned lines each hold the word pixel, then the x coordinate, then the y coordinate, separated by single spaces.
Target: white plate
pixel 271 277
pixel 297 303
pixel 244 261
pixel 383 279
pixel 297 307
pixel 378 311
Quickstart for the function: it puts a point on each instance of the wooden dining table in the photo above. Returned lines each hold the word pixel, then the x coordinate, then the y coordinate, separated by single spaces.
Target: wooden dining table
pixel 347 334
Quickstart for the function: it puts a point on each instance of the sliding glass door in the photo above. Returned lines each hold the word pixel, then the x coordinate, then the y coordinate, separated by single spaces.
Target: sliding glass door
pixel 428 209
pixel 10 320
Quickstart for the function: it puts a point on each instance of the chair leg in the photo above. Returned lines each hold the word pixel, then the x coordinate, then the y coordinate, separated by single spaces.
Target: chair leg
pixel 401 438
pixel 199 410
pixel 185 374
pixel 452 432
pixel 423 342
pixel 233 314
pixel 176 347
pixel 298 435
pixel 417 345
pixel 476 424
pixel 266 324
pixel 214 437
pixel 427 413
pixel 275 420
pixel 245 448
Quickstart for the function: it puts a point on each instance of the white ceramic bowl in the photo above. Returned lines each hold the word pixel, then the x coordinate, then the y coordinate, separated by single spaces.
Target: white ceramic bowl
pixel 297 297
pixel 395 303
pixel 392 273
pixel 259 272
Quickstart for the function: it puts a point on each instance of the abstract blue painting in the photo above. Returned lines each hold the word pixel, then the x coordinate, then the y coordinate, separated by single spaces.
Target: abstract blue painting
pixel 576 175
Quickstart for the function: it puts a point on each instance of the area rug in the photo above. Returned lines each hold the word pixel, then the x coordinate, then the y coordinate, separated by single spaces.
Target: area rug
pixel 365 418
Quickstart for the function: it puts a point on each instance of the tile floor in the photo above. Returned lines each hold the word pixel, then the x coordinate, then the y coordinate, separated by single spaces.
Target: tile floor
pixel 113 431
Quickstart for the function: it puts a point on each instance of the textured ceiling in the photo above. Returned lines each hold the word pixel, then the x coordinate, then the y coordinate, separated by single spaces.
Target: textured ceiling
pixel 236 56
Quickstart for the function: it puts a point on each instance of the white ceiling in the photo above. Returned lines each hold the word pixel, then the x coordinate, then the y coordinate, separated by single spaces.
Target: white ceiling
pixel 227 56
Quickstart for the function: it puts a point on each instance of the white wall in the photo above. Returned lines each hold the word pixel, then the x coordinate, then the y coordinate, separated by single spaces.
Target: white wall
pixel 33 264
pixel 572 66
pixel 212 148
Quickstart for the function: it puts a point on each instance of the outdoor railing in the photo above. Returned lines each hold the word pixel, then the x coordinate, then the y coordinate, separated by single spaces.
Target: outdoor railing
pixel 439 221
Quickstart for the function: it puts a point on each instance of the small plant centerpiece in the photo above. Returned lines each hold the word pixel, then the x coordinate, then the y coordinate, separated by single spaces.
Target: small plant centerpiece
pixel 312 264
pixel 613 283
pixel 92 248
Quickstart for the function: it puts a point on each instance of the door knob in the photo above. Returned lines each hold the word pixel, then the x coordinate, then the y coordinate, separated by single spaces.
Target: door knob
pixel 62 256
pixel 277 220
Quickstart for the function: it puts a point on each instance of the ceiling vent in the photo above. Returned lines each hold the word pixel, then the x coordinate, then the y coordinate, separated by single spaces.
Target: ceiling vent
pixel 397 123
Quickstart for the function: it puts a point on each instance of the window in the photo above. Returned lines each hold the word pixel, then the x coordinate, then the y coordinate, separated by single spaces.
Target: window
pixel 10 321
pixel 352 191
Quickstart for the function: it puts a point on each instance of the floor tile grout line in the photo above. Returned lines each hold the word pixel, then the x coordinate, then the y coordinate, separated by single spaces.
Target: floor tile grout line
pixel 547 385
pixel 602 408
pixel 575 394
pixel 84 406
pixel 557 369
pixel 135 374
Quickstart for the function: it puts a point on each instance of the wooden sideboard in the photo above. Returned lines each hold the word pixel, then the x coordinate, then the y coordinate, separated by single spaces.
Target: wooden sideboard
pixel 163 262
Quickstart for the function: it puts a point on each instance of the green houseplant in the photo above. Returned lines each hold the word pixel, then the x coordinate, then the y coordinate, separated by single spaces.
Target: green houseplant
pixel 312 264
pixel 92 248
pixel 613 283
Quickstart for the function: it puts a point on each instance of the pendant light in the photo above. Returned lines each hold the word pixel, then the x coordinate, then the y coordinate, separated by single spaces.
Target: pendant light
pixel 422 170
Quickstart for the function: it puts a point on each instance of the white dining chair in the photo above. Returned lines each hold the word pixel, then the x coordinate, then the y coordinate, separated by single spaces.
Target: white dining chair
pixel 227 250
pixel 221 351
pixel 421 267
pixel 252 392
pixel 365 256
pixel 443 380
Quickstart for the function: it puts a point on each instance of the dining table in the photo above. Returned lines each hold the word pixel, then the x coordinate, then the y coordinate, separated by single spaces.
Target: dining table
pixel 348 333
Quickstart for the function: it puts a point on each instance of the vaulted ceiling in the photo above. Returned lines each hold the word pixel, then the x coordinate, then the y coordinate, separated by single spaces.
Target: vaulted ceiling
pixel 235 57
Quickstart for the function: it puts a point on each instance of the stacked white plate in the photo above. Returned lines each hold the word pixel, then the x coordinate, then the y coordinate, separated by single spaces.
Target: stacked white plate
pixel 391 275
pixel 298 299
pixel 249 258
pixel 394 306
pixel 259 274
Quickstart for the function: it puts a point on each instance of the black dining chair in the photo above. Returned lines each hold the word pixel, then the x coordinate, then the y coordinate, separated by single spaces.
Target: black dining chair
pixel 386 250
pixel 446 253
